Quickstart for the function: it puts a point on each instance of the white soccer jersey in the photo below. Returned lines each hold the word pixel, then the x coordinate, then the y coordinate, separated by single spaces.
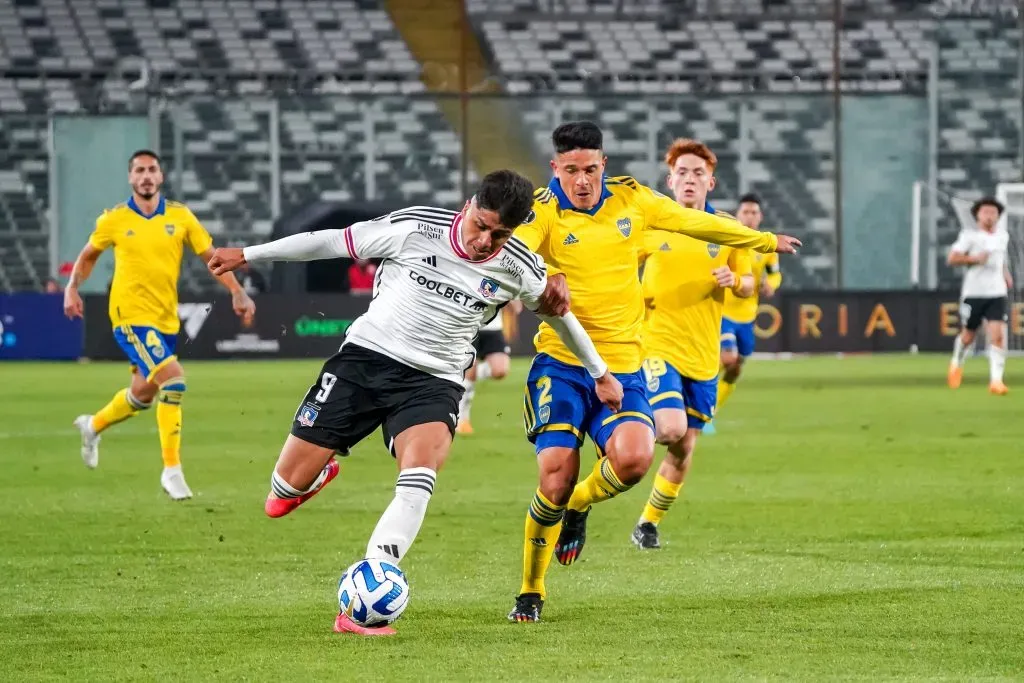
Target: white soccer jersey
pixel 987 280
pixel 429 298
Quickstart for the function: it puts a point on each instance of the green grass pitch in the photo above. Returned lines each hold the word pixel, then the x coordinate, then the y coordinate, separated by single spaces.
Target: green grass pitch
pixel 853 519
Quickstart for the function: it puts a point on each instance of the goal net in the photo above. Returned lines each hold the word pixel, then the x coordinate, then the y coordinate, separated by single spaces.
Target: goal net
pixel 938 217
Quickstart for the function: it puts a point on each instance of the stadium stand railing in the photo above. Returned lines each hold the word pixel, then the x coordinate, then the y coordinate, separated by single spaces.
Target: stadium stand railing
pixel 354 120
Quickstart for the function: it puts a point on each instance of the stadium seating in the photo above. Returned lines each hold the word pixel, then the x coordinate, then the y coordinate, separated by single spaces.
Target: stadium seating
pixel 346 86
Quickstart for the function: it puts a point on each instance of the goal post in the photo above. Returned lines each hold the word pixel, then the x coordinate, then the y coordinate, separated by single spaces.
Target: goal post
pixel 938 215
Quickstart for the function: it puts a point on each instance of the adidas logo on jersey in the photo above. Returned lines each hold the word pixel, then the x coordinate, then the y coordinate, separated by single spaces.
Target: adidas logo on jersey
pixel 570 239
pixel 430 260
pixel 665 247
pixel 130 233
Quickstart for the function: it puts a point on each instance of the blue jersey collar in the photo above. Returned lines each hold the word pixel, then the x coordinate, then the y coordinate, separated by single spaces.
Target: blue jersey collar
pixel 708 208
pixel 565 203
pixel 160 206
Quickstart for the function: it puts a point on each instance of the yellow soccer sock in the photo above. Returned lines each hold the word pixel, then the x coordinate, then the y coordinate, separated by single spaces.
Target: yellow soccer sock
pixel 725 390
pixel 602 484
pixel 120 408
pixel 543 522
pixel 168 420
pixel 663 494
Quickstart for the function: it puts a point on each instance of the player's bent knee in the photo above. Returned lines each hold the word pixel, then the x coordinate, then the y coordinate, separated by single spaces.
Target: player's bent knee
pixel 423 445
pixel 670 434
pixel 137 402
pixel 631 451
pixel 499 366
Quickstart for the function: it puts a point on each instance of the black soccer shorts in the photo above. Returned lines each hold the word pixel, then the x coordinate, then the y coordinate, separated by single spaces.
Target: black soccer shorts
pixel 359 390
pixel 488 342
pixel 974 309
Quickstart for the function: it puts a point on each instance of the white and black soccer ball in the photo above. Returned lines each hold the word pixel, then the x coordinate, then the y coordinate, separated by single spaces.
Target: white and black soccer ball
pixel 372 592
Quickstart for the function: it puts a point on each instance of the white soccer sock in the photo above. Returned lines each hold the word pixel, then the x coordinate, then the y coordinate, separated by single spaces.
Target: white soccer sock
pixel 483 371
pixel 466 403
pixel 996 363
pixel 282 489
pixel 960 351
pixel 401 522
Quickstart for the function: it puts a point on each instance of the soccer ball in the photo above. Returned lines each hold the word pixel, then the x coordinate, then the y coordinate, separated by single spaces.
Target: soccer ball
pixel 372 592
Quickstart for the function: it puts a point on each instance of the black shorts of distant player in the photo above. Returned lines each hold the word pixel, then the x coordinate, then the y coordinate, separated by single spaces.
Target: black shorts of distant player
pixel 489 342
pixel 975 309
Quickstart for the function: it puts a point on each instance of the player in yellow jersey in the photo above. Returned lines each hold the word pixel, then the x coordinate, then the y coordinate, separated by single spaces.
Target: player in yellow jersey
pixel 149 234
pixel 685 284
pixel 738 320
pixel 590 228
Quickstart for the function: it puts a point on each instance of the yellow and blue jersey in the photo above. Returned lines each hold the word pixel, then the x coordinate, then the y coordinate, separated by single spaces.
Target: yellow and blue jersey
pixel 684 320
pixel 739 314
pixel 148 251
pixel 598 251
pixel 684 302
pixel 763 267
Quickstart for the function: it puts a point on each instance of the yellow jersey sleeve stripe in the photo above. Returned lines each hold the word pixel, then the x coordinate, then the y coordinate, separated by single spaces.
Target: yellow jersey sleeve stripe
pixel 628 413
pixel 665 395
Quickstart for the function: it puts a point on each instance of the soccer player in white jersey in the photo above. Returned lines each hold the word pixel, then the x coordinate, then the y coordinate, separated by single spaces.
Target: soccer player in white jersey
pixel 492 362
pixel 983 295
pixel 444 275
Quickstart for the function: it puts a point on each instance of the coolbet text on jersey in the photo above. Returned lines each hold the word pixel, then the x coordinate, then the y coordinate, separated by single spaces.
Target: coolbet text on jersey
pixel 684 302
pixel 147 260
pixel 598 251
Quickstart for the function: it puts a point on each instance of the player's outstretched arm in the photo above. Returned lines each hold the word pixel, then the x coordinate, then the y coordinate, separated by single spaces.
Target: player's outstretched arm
pixel 241 302
pixel 84 264
pixel 308 246
pixel 576 339
pixel 665 214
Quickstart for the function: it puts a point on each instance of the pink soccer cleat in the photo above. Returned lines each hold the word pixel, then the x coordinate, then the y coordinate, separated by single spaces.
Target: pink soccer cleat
pixel 279 507
pixel 345 625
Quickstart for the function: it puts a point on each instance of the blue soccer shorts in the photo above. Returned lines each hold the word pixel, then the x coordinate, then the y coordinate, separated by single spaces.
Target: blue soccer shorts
pixel 147 348
pixel 668 388
pixel 561 407
pixel 738 336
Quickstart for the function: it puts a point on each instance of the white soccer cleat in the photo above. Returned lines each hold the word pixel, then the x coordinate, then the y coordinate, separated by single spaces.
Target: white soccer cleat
pixel 173 481
pixel 90 441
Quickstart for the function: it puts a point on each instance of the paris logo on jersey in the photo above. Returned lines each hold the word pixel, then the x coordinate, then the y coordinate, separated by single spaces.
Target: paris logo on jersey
pixel 625 226
pixel 488 288
pixel 308 415
pixel 713 250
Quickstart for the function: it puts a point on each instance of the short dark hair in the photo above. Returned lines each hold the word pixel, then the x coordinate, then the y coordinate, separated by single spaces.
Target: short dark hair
pixel 750 198
pixel 986 201
pixel 577 135
pixel 142 153
pixel 508 193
